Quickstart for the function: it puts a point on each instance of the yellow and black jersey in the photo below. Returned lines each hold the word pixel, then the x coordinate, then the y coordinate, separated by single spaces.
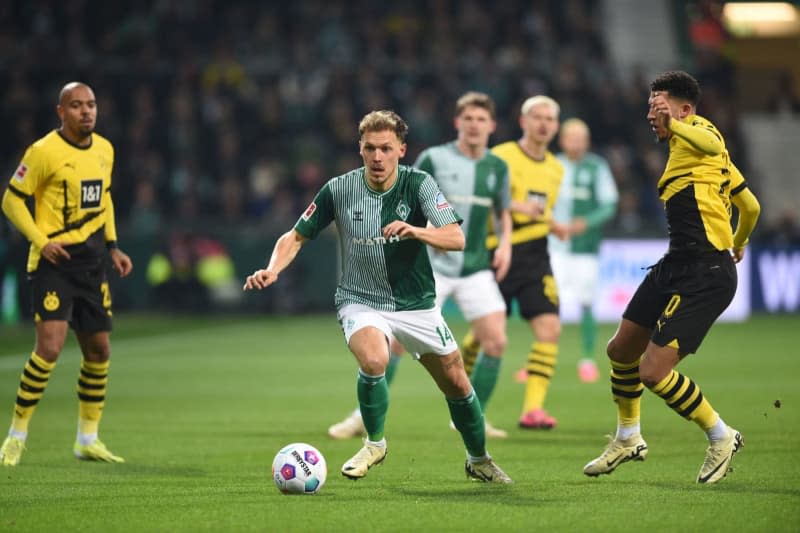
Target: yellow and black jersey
pixel 697 186
pixel 529 179
pixel 70 185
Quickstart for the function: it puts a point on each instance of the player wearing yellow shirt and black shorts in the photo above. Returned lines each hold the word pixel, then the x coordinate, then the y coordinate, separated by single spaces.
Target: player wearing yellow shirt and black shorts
pixel 535 176
pixel 685 292
pixel 67 173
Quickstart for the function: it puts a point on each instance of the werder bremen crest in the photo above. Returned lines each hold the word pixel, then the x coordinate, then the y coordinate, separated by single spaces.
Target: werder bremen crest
pixel 403 210
pixel 491 181
pixel 51 301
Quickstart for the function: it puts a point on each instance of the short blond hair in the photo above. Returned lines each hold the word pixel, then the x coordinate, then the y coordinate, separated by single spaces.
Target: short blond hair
pixel 574 123
pixel 537 100
pixel 476 99
pixel 384 120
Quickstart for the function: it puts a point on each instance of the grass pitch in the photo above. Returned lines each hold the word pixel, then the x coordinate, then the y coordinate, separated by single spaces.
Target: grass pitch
pixel 199 406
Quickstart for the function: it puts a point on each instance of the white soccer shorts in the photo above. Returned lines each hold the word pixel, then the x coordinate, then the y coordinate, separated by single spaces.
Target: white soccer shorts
pixel 420 332
pixel 476 295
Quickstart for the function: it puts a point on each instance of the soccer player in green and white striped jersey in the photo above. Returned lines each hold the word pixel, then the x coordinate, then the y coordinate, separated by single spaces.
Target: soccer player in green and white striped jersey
pixel 386 214
pixel 586 201
pixel 475 182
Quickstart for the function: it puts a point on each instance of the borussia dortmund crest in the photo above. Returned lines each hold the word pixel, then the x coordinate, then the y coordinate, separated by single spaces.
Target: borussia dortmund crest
pixel 403 210
pixel 51 301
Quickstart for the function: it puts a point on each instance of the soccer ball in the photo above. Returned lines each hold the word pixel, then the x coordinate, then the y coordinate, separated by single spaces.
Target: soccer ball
pixel 299 468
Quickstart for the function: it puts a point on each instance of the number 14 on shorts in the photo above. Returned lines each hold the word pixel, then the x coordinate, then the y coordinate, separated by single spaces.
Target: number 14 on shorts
pixel 444 334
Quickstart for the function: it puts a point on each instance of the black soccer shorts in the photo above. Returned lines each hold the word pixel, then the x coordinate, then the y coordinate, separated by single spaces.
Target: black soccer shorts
pixel 79 295
pixel 681 297
pixel 530 280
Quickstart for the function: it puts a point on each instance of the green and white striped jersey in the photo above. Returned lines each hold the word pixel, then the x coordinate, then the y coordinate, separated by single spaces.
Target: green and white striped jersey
pixel 475 189
pixel 588 191
pixel 384 274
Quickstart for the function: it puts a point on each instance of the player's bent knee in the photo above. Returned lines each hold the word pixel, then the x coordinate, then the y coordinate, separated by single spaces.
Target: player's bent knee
pixel 373 366
pixel 619 351
pixel 494 347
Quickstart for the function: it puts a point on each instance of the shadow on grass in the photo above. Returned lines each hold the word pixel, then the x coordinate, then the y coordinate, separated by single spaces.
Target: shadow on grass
pixel 472 493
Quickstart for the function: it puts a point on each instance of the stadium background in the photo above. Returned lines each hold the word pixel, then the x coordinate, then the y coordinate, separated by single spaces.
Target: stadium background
pixel 228 116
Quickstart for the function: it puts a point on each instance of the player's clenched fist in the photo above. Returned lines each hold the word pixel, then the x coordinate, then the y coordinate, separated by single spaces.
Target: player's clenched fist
pixel 260 279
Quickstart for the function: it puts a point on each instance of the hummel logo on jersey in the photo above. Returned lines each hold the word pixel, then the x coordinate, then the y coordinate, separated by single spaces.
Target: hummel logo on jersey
pixel 358 216
pixel 403 210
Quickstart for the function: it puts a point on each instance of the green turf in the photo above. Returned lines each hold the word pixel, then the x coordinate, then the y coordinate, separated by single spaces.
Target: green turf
pixel 199 406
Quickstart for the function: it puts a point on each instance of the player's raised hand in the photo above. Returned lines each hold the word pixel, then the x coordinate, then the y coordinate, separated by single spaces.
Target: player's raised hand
pixel 660 105
pixel 260 279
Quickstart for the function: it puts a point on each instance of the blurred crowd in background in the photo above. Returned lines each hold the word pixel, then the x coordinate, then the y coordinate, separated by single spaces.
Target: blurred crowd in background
pixel 231 114
pixel 226 112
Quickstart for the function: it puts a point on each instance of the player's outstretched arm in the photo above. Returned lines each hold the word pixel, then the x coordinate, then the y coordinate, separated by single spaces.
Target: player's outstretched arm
pixel 283 254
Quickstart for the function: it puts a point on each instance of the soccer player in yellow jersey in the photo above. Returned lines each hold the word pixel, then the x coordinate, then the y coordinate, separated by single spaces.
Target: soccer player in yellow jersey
pixel 684 293
pixel 535 177
pixel 68 174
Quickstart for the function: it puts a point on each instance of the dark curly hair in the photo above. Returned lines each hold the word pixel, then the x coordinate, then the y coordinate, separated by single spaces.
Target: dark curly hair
pixel 678 84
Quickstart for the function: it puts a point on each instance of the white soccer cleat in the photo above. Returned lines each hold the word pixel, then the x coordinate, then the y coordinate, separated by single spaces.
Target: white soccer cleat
pixel 617 452
pixel 367 457
pixel 719 456
pixel 486 471
pixel 350 427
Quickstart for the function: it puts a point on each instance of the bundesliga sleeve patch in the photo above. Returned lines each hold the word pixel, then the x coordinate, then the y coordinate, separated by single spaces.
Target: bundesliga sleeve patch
pixel 19 175
pixel 441 201
pixel 309 211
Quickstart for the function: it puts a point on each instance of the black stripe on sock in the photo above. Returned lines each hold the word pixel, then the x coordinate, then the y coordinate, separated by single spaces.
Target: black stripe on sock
pixel 685 396
pixel 31 376
pixel 29 388
pixel 626 394
pixel 87 398
pixel 689 410
pixel 631 381
pixel 38 368
pixel 23 402
pixel 82 384
pixel 90 375
pixel 674 389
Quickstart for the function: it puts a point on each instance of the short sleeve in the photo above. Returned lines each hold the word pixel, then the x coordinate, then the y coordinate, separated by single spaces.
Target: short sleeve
pixel 606 186
pixel 318 214
pixel 435 206
pixel 503 197
pixel 425 162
